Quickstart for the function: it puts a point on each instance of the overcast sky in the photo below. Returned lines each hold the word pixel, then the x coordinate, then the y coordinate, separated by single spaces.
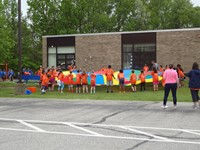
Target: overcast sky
pixel 24 5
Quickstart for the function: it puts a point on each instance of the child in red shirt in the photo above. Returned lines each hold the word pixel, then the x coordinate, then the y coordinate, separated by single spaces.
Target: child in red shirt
pixel 78 82
pixel 121 81
pixel 85 82
pixel 133 79
pixel 142 79
pixel 93 82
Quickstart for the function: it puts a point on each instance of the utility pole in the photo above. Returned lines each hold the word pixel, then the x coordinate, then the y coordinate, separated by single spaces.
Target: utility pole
pixel 19 42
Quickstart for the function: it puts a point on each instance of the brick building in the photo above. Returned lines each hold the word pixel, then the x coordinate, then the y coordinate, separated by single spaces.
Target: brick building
pixel 127 50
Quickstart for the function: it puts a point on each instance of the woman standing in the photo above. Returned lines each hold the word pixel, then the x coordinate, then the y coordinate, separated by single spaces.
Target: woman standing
pixel 171 80
pixel 194 84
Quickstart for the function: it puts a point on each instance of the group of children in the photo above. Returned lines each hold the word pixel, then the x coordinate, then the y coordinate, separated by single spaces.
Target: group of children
pixel 48 79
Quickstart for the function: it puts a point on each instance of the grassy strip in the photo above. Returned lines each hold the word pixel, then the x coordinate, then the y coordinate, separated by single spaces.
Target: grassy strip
pixel 183 94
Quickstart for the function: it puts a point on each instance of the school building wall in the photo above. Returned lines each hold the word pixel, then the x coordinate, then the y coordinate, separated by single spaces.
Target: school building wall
pixel 93 51
pixel 96 51
pixel 178 47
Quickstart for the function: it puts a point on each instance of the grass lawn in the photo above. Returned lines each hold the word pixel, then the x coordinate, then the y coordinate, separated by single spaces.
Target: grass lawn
pixel 7 89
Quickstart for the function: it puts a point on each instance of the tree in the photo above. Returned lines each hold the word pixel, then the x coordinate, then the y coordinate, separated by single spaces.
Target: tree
pixel 6 42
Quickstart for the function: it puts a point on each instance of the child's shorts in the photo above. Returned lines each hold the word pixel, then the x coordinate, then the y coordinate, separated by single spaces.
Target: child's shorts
pixel 133 84
pixel 70 86
pixel 78 85
pixel 156 82
pixel 121 81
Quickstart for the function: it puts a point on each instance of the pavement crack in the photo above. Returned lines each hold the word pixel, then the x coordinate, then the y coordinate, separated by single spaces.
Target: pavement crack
pixel 139 144
pixel 108 116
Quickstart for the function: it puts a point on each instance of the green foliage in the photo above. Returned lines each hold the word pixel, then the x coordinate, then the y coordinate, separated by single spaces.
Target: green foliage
pixel 52 17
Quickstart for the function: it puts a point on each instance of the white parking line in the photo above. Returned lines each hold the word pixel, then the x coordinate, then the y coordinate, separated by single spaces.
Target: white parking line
pixel 103 136
pixel 98 135
pixel 145 133
pixel 86 130
pixel 31 126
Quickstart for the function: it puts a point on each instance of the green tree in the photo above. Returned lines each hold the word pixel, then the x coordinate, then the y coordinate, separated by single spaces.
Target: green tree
pixel 6 42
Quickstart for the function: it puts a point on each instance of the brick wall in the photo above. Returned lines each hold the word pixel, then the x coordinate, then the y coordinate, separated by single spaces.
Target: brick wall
pixel 178 47
pixel 95 51
pixel 44 51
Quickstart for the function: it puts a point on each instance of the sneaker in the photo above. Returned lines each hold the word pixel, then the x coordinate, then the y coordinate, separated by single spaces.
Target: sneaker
pixel 175 107
pixel 194 107
pixel 164 106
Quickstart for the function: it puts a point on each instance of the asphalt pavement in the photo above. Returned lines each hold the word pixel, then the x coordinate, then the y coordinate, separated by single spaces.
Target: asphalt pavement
pixel 50 124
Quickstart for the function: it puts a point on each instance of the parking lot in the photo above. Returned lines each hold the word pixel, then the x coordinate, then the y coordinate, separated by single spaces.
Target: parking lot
pixel 88 124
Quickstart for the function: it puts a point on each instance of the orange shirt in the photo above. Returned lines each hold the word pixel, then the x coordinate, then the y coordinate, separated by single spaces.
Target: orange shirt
pixel 120 76
pixel 155 76
pixel 109 74
pixel 54 73
pixel 70 78
pixel 146 68
pixel 45 81
pixel 70 68
pixel 180 73
pixel 93 79
pixel 133 78
pixel 61 76
pixel 39 72
pixel 84 79
pixel 142 77
pixel 78 78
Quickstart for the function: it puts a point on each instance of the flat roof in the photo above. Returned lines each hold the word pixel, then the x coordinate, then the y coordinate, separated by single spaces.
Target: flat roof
pixel 127 32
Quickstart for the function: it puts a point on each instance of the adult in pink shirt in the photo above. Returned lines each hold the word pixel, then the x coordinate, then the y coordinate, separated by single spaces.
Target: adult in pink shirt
pixel 171 80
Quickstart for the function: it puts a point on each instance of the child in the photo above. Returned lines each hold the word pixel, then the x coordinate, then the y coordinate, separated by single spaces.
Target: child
pixel 155 79
pixel 78 82
pixel 45 83
pixel 109 75
pixel 93 82
pixel 60 82
pixel 133 79
pixel 70 82
pixel 181 75
pixel 85 82
pixel 142 79
pixel 121 81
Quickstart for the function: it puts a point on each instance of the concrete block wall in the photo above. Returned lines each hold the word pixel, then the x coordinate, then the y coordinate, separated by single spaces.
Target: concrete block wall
pixel 178 47
pixel 95 51
pixel 44 52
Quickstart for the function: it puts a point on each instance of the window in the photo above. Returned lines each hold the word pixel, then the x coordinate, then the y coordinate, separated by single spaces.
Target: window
pixel 127 56
pixel 51 56
pixel 61 56
pixel 64 60
pixel 136 55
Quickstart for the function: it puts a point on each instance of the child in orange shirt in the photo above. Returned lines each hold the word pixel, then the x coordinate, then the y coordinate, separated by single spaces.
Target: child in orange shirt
pixel 85 82
pixel 78 82
pixel 154 74
pixel 45 83
pixel 109 75
pixel 70 82
pixel 133 79
pixel 93 82
pixel 142 79
pixel 121 81
pixel 60 82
